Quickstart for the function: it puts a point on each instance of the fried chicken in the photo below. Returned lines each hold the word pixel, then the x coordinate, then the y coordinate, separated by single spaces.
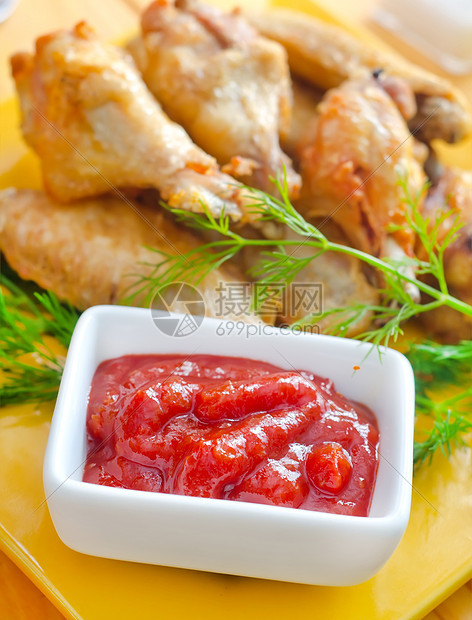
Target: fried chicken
pixel 341 283
pixel 326 55
pixel 329 281
pixel 305 109
pixel 93 251
pixel 452 193
pixel 95 126
pixel 359 149
pixel 225 84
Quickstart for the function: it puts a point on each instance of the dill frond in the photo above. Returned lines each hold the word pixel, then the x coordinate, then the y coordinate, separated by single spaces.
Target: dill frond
pixel 279 263
pixel 438 367
pixel 30 370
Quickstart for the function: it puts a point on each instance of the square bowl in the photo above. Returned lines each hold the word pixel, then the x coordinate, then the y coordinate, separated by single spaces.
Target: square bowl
pixel 225 536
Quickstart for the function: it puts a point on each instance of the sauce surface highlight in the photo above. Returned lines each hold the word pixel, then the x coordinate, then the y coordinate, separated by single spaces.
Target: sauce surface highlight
pixel 230 428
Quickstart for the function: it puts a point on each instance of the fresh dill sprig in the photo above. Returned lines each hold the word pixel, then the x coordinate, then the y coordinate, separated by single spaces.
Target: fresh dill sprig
pixel 30 370
pixel 279 263
pixel 445 432
pixel 438 367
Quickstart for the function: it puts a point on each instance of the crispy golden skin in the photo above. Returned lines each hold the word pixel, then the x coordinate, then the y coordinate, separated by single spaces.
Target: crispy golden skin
pixel 327 56
pixel 94 124
pixel 90 252
pixel 329 281
pixel 452 193
pixel 225 84
pixel 359 148
pixel 305 109
pixel 342 284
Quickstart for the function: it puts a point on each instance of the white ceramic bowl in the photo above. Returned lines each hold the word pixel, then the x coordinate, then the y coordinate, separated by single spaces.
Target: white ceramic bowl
pixel 218 535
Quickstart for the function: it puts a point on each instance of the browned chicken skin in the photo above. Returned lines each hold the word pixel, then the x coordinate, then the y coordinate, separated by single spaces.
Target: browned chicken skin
pixel 358 148
pixel 94 124
pixel 452 193
pixel 342 283
pixel 92 251
pixel 305 109
pixel 225 84
pixel 329 281
pixel 326 55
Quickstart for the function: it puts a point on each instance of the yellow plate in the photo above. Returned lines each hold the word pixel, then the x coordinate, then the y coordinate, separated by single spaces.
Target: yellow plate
pixel 433 559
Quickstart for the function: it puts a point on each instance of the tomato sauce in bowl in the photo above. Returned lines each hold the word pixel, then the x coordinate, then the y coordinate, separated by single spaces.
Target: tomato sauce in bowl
pixel 230 428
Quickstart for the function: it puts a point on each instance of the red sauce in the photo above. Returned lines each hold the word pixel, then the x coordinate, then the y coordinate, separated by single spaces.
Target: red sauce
pixel 230 428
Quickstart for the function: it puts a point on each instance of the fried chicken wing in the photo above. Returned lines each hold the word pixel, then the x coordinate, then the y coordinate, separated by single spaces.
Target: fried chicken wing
pixel 94 124
pixel 92 251
pixel 224 83
pixel 341 284
pixel 326 55
pixel 305 109
pixel 452 193
pixel 360 148
pixel 329 281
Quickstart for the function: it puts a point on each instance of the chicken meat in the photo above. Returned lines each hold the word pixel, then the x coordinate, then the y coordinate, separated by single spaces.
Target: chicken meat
pixel 225 84
pixel 326 55
pixel 451 198
pixel 95 126
pixel 94 251
pixel 359 150
pixel 305 109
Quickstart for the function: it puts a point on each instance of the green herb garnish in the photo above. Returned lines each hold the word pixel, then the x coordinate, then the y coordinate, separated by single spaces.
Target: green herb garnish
pixel 278 263
pixel 31 371
pixel 438 367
